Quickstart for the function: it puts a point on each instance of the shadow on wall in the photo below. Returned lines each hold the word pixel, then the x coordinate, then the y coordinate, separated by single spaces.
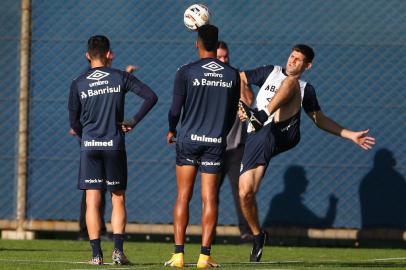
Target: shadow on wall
pixel 383 194
pixel 287 208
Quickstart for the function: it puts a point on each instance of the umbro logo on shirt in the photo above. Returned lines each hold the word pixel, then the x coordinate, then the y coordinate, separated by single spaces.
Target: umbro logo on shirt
pixel 212 66
pixel 97 75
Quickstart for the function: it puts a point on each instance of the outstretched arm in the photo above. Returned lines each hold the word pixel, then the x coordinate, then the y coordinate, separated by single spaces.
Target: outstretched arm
pixel 325 123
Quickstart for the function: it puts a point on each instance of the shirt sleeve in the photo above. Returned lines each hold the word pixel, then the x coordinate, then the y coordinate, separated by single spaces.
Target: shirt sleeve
pixel 310 102
pixel 234 103
pixel 258 76
pixel 131 83
pixel 178 100
pixel 74 107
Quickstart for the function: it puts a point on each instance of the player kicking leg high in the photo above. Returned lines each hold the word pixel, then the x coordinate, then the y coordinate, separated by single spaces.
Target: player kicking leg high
pixel 275 127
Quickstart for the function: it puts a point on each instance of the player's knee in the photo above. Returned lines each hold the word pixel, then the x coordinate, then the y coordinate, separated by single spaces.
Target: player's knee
pixel 183 197
pixel 210 199
pixel 246 194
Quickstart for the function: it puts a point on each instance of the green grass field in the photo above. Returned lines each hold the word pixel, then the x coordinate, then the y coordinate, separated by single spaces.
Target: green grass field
pixel 54 254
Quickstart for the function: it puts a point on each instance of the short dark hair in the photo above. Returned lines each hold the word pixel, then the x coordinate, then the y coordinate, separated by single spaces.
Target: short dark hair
pixel 222 45
pixel 208 34
pixel 98 46
pixel 306 50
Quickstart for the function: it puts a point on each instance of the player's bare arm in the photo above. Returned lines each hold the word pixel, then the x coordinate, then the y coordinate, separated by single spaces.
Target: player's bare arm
pixel 325 123
pixel 246 94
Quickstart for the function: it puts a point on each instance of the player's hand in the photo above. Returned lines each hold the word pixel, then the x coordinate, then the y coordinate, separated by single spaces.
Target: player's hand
pixel 362 139
pixel 241 114
pixel 72 132
pixel 126 128
pixel 127 125
pixel 131 68
pixel 170 137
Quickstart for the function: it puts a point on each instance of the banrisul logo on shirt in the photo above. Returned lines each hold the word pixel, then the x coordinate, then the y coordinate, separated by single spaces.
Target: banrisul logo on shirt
pixel 97 77
pixel 213 81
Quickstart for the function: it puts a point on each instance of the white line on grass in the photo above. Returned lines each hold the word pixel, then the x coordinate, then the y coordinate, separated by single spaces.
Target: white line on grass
pixel 66 262
pixel 72 262
pixel 38 261
pixel 261 263
pixel 388 259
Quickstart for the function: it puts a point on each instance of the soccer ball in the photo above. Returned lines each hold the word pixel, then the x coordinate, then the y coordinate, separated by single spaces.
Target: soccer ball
pixel 195 16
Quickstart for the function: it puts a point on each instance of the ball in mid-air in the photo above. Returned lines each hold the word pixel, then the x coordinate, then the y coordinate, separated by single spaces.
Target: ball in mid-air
pixel 195 16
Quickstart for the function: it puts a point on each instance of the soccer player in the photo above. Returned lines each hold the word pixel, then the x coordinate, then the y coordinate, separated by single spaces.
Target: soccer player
pixel 207 91
pixel 82 215
pixel 234 150
pixel 96 114
pixel 274 127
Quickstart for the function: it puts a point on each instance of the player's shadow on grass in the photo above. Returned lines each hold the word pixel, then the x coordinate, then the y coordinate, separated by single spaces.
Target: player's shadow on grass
pixel 287 208
pixel 383 194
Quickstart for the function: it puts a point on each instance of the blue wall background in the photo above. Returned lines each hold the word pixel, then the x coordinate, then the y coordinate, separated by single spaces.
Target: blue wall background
pixel 358 73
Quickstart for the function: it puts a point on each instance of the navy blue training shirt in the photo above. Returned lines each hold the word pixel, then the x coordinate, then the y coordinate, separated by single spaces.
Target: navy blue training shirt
pixel 208 92
pixel 96 106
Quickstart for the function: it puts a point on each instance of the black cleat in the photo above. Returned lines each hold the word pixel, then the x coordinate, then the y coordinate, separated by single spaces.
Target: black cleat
pixel 256 252
pixel 254 117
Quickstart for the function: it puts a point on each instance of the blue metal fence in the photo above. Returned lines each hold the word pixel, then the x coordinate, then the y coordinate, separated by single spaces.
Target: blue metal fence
pixel 9 85
pixel 358 74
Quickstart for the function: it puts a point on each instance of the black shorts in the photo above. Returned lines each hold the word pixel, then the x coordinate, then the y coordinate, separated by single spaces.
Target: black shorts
pixel 101 169
pixel 209 159
pixel 270 141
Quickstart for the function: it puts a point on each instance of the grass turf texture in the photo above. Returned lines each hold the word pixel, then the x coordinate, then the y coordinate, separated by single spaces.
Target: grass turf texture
pixel 54 254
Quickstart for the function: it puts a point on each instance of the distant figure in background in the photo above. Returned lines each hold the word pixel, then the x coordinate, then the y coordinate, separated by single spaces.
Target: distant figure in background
pixel 382 194
pixel 287 208
pixel 234 151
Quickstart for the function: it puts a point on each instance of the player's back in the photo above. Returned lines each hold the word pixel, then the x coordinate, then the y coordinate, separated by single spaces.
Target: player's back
pixel 212 92
pixel 102 95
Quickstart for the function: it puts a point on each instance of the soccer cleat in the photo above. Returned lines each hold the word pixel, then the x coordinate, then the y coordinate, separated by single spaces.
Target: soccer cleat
pixel 118 257
pixel 97 260
pixel 254 117
pixel 175 261
pixel 256 251
pixel 206 262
